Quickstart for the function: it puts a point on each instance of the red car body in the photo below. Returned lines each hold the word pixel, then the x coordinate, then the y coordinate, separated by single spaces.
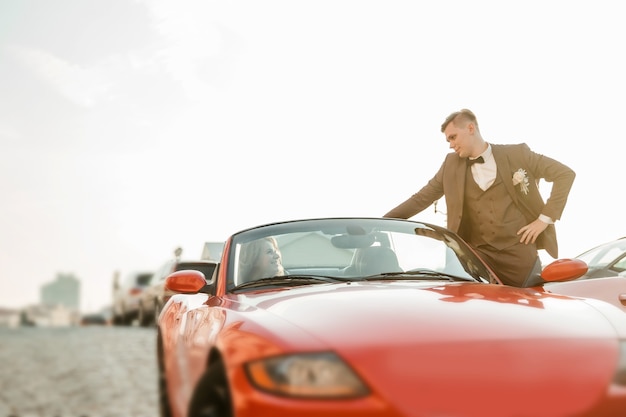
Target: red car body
pixel 404 345
pixel 609 289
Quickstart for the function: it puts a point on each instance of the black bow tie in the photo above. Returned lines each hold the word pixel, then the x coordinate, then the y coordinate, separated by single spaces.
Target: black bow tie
pixel 478 160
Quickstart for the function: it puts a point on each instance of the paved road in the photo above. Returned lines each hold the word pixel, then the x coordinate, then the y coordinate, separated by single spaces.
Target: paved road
pixel 93 371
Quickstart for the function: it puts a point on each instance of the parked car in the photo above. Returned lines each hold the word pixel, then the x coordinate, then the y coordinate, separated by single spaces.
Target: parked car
pixel 126 295
pixel 101 317
pixel 154 296
pixel 212 251
pixel 381 317
pixel 605 260
pixel 605 278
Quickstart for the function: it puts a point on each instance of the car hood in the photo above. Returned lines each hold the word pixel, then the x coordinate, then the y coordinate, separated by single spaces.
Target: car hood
pixel 409 339
pixel 431 312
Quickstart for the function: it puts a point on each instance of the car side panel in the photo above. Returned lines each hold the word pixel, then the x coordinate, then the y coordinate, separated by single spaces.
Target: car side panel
pixel 609 289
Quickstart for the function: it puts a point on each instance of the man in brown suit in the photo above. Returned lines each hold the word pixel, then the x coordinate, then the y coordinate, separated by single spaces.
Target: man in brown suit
pixel 493 201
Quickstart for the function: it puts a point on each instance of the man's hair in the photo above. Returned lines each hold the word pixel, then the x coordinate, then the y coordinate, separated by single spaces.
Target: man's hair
pixel 460 118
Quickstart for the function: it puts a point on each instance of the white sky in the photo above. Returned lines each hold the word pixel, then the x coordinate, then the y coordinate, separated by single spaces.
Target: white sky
pixel 128 128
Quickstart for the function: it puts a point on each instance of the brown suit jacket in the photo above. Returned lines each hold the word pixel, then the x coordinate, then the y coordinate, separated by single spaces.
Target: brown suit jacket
pixel 449 181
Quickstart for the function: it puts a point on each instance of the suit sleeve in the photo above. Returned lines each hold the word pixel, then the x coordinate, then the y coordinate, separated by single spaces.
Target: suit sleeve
pixel 560 175
pixel 422 199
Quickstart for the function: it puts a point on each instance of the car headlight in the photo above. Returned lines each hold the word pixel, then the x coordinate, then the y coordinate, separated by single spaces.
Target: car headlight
pixel 313 375
pixel 620 373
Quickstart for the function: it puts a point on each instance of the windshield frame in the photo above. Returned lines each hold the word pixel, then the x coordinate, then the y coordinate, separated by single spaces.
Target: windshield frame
pixel 359 231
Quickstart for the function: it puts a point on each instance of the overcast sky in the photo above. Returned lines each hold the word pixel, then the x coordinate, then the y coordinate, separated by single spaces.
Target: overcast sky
pixel 128 128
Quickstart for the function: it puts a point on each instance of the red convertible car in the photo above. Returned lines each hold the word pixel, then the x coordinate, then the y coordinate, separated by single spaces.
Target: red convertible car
pixel 368 317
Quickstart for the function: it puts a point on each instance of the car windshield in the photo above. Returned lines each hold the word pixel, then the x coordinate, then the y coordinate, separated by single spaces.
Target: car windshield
pixel 339 250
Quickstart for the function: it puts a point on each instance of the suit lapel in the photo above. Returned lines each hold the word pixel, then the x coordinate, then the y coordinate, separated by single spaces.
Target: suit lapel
pixel 461 168
pixel 504 171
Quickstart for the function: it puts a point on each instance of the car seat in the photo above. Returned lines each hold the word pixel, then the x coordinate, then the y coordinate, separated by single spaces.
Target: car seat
pixel 376 260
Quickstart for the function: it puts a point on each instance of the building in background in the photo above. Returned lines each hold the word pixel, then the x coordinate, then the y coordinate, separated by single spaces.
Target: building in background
pixel 64 291
pixel 59 304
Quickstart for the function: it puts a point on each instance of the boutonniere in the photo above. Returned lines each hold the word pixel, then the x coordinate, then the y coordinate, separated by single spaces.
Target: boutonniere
pixel 520 177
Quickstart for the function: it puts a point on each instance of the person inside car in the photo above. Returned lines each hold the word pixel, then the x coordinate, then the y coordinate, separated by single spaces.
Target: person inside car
pixel 260 258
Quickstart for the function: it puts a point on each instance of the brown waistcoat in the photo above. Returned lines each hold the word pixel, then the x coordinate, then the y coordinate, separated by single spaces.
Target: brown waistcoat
pixel 490 217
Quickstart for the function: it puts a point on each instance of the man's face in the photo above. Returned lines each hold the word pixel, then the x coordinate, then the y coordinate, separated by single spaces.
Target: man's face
pixel 460 138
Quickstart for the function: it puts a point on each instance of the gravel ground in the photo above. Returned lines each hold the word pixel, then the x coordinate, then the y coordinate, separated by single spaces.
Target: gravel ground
pixel 92 371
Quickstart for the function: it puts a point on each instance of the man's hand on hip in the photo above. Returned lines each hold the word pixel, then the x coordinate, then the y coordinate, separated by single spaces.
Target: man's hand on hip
pixel 531 231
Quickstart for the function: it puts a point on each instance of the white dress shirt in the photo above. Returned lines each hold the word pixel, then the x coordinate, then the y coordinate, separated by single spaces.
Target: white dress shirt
pixel 485 174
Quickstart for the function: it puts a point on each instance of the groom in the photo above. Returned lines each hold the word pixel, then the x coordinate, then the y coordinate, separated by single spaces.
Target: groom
pixel 493 201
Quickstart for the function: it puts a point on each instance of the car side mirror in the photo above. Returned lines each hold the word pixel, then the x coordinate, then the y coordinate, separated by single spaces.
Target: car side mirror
pixel 188 281
pixel 564 270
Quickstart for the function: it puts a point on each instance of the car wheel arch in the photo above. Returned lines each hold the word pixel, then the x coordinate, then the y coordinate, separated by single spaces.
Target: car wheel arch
pixel 211 395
